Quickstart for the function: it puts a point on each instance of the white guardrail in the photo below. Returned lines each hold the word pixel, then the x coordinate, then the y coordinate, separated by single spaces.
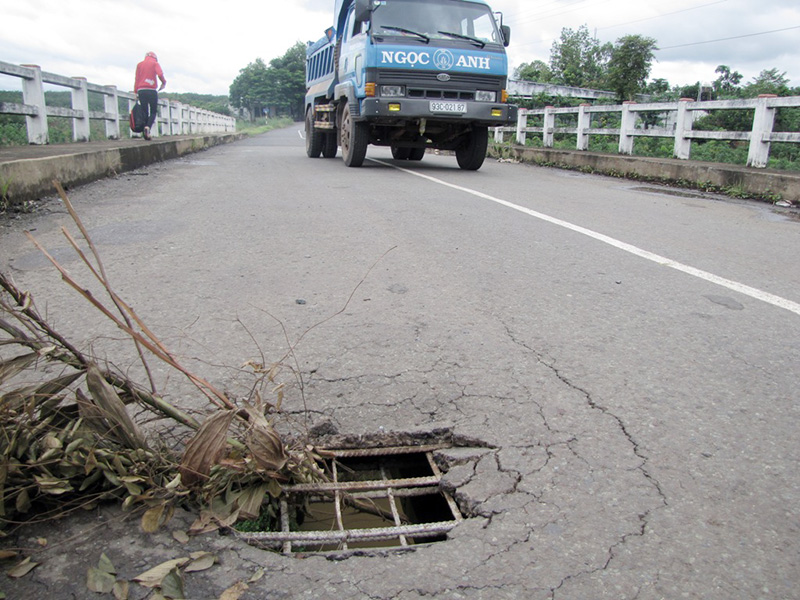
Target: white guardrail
pixel 174 118
pixel 676 120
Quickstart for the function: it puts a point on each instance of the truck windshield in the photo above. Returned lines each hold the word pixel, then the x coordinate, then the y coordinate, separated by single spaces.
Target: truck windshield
pixel 437 19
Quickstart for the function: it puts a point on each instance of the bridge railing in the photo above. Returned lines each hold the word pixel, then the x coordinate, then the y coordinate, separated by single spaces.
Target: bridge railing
pixel 174 118
pixel 675 120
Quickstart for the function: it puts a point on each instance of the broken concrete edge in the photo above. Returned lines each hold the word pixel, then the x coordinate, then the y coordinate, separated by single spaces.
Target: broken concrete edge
pixel 733 180
pixel 29 179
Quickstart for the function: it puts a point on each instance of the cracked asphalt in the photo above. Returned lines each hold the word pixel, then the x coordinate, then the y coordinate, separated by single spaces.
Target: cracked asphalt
pixel 621 429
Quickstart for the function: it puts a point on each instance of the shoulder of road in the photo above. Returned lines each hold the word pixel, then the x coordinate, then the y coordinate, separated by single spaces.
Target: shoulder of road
pixel 28 172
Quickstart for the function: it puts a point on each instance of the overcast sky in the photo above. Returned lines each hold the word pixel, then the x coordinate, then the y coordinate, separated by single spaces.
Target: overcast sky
pixel 203 45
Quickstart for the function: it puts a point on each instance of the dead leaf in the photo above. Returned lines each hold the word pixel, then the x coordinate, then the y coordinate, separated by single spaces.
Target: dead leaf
pixel 99 581
pixel 256 576
pixel 107 399
pixel 172 585
pixel 235 591
pixel 205 448
pixel 121 589
pixel 153 577
pixel 105 564
pixel 23 502
pixel 156 517
pixel 264 442
pixel 6 554
pixel 251 500
pixel 180 536
pixel 23 568
pixel 205 523
pixel 38 394
pixel 12 366
pixel 200 562
pixel 52 485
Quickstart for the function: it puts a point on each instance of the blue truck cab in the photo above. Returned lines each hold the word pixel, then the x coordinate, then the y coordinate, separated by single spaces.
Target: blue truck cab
pixel 408 74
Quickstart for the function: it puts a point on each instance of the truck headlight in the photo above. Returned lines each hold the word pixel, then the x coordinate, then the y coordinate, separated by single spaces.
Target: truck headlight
pixel 393 91
pixel 485 96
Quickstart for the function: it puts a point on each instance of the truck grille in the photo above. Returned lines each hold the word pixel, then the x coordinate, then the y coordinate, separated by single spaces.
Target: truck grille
pixel 423 84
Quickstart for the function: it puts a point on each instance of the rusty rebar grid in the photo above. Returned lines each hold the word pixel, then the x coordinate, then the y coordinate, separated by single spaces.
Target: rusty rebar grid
pixel 344 492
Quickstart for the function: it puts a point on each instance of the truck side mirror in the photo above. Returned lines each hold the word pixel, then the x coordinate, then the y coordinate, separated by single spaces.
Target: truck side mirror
pixel 362 10
pixel 506 31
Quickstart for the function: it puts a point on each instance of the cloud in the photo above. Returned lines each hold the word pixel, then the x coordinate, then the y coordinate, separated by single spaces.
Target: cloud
pixel 204 50
pixel 678 23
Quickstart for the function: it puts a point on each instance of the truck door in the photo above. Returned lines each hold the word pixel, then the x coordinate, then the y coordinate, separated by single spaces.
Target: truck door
pixel 352 54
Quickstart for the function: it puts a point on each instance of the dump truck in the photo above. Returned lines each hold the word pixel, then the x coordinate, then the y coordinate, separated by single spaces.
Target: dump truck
pixel 412 75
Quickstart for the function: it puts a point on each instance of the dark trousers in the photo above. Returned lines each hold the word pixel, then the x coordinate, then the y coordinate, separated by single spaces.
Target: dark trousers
pixel 149 100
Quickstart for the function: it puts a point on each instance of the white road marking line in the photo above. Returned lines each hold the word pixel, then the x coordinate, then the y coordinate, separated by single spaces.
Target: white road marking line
pixel 661 260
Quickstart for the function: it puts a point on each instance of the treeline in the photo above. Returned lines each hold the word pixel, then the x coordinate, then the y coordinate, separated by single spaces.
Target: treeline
pixel 579 60
pixel 274 89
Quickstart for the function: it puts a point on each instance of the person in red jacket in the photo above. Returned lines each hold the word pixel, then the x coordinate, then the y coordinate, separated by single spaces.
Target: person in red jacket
pixel 145 87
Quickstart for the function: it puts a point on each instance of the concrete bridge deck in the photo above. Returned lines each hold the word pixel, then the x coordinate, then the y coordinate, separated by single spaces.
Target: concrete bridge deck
pixel 27 172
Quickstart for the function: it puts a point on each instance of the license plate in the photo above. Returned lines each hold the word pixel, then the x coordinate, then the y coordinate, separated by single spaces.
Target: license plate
pixel 448 107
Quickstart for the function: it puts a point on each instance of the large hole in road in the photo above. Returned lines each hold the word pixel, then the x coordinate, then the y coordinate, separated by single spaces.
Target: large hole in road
pixel 384 497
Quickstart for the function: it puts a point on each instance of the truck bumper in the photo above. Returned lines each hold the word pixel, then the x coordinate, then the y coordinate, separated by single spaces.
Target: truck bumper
pixel 482 113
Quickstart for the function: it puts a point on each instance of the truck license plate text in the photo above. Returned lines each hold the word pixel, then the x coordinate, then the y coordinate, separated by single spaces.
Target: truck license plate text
pixel 448 107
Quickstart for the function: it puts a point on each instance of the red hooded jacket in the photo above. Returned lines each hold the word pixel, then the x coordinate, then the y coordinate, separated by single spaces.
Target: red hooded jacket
pixel 146 73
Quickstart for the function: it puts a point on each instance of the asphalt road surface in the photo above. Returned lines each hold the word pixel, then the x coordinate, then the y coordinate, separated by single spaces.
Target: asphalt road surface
pixel 624 358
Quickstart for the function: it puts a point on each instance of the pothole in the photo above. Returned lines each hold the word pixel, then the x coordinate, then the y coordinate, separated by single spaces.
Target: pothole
pixel 381 497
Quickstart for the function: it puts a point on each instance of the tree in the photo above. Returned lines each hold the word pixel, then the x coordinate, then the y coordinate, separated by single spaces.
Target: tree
pixel 727 83
pixel 578 59
pixel 629 65
pixel 249 89
pixel 536 70
pixel 288 81
pixel 769 81
pixel 280 86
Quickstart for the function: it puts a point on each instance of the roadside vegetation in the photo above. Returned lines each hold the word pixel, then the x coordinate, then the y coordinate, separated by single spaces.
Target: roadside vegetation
pixel 579 60
pixel 262 125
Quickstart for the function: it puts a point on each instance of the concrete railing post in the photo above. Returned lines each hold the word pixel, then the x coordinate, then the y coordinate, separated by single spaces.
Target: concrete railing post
pixel 80 103
pixel 522 123
pixel 111 105
pixel 627 127
pixel 498 134
pixel 684 121
pixel 584 124
pixel 548 127
pixel 181 119
pixel 763 123
pixel 33 94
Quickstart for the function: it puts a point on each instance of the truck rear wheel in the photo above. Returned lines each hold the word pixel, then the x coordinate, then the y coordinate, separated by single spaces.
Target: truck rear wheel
pixel 353 138
pixel 471 154
pixel 399 153
pixel 330 145
pixel 416 154
pixel 313 137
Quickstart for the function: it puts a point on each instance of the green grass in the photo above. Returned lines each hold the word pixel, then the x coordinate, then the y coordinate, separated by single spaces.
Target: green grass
pixel 262 125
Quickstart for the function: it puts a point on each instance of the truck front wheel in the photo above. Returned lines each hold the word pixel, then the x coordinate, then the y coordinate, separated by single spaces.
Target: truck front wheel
pixel 471 154
pixel 313 137
pixel 354 138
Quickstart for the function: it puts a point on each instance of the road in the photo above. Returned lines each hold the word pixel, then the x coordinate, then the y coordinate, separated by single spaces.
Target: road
pixel 626 356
